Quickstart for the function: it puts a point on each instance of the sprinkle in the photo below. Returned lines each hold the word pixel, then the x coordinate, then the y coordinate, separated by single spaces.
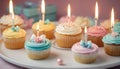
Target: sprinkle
pixel 60 61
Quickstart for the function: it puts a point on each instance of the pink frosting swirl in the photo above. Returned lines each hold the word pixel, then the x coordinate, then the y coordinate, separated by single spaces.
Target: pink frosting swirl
pixel 77 48
pixel 65 19
pixel 97 31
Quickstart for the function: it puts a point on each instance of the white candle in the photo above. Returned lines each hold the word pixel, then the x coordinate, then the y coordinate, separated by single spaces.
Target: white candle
pixel 38 30
pixel 112 18
pixel 85 35
pixel 43 10
pixel 96 13
pixel 11 11
pixel 69 11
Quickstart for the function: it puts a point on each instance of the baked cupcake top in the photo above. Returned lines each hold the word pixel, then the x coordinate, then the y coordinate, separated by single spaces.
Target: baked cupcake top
pixel 9 33
pixel 84 21
pixel 84 48
pixel 7 20
pixel 47 26
pixel 66 18
pixel 37 43
pixel 107 23
pixel 97 31
pixel 68 28
pixel 114 37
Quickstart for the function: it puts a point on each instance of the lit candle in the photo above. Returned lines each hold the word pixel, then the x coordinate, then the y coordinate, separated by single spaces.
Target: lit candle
pixel 38 30
pixel 43 10
pixel 96 13
pixel 11 11
pixel 112 18
pixel 85 35
pixel 69 11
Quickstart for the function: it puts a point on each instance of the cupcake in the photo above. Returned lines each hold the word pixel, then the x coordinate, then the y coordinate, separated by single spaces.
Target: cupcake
pixel 84 21
pixel 112 41
pixel 14 38
pixel 107 24
pixel 95 34
pixel 46 28
pixel 85 52
pixel 38 47
pixel 66 18
pixel 66 34
pixel 6 22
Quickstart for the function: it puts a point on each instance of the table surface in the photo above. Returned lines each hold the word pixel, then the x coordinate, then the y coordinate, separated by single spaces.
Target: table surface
pixel 103 61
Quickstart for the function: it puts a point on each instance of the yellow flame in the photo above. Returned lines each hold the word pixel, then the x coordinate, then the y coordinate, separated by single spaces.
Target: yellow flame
pixel 43 6
pixel 69 11
pixel 96 10
pixel 112 17
pixel 11 8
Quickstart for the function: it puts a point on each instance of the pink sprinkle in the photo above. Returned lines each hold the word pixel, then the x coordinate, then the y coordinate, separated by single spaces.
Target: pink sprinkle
pixel 38 40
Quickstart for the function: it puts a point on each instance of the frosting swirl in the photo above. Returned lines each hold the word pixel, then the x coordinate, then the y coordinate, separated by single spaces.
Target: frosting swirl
pixel 109 39
pixel 84 21
pixel 68 28
pixel 65 19
pixel 97 31
pixel 77 48
pixel 7 19
pixel 116 27
pixel 38 46
pixel 9 33
pixel 107 23
pixel 43 26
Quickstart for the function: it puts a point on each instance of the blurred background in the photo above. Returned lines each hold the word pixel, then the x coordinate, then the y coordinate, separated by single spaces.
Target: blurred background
pixel 78 7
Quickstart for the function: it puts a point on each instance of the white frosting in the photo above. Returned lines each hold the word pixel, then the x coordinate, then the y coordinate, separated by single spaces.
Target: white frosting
pixel 68 28
pixel 82 21
pixel 7 19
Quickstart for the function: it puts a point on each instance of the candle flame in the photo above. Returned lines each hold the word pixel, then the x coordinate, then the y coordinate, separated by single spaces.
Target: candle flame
pixel 69 11
pixel 112 17
pixel 43 6
pixel 11 8
pixel 85 30
pixel 96 10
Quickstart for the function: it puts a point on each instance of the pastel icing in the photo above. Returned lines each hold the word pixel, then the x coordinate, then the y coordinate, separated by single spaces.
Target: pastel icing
pixel 116 27
pixel 77 48
pixel 97 31
pixel 37 46
pixel 84 21
pixel 109 39
pixel 68 28
pixel 7 19
pixel 107 23
pixel 9 33
pixel 65 19
pixel 44 27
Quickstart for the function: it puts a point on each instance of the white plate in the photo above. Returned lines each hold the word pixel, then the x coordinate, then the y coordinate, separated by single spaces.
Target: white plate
pixel 20 58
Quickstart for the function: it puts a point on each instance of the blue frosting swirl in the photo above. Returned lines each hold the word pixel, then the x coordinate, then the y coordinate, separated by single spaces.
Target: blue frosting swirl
pixel 109 39
pixel 38 46
pixel 116 27
pixel 87 44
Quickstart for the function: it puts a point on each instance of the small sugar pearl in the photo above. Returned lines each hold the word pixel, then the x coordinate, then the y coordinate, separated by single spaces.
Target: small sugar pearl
pixel 60 61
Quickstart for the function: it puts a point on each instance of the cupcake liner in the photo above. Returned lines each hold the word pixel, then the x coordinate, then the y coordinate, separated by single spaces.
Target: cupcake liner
pixel 112 49
pixel 14 43
pixel 66 41
pixel 37 55
pixel 97 40
pixel 49 34
pixel 86 58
